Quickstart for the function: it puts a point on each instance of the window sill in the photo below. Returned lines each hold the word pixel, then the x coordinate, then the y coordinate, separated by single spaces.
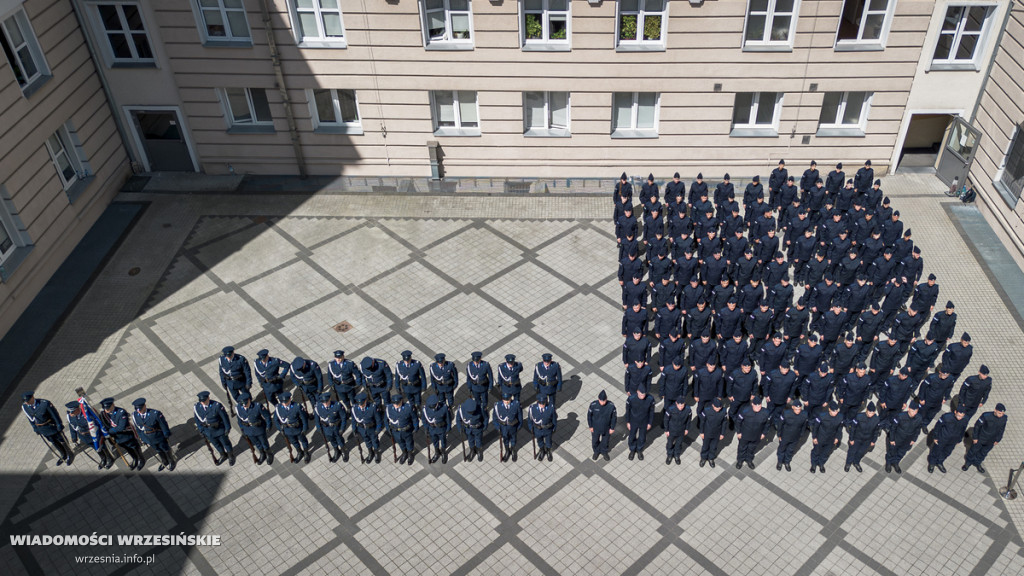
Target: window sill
pixel 542 46
pixel 617 134
pixel 351 130
pixel 212 43
pixel 852 46
pixel 457 132
pixel 641 47
pixel 252 129
pixel 836 131
pixel 448 45
pixel 76 189
pixel 1005 192
pixel 131 65
pixel 954 66
pixel 754 133
pixel 752 47
pixel 34 87
pixel 547 133
pixel 339 44
pixel 12 262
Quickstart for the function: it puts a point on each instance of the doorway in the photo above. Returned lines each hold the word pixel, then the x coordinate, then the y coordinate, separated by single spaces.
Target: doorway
pixel 162 140
pixel 957 155
pixel 923 142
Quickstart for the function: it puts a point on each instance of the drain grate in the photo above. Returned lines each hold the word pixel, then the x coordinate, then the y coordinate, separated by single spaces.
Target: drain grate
pixel 517 187
pixel 342 326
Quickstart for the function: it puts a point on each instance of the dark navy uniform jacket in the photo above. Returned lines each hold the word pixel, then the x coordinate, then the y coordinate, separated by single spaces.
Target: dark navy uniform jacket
pixel 437 419
pixel 904 429
pixel 43 416
pixel 672 383
pixel 366 417
pixel 380 377
pixel 151 426
pixel 235 373
pixel 309 376
pixel 988 428
pixel 120 426
pixel 601 417
pixel 934 389
pixel 956 358
pixel 271 371
pixel 508 376
pixel 402 418
pixel 479 376
pixel 676 421
pixel 344 375
pixel 332 416
pixel 853 389
pixel 864 428
pixel 711 422
pixel 211 420
pixel 974 391
pixel 640 412
pixel 510 415
pixel 547 379
pixel 444 376
pixel 292 419
pixel 949 430
pixel 411 377
pixel 752 424
pixel 542 419
pixel 826 428
pixel 791 424
pixel 253 420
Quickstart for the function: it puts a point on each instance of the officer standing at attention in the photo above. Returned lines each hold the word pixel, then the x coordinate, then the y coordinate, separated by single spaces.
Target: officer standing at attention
pixel 622 196
pixel 444 378
pixel 47 424
pixel 974 392
pixel 988 431
pixel 863 429
pixel 904 429
pixel 345 377
pixel 827 433
pixel 235 375
pixel 479 378
pixel 212 422
pixel 366 422
pixel 254 421
pixel 675 422
pixel 601 420
pixel 307 376
pixel 403 421
pixel 119 426
pixel 292 421
pixel 712 423
pixel 411 378
pixel 949 431
pixel 270 373
pixel 547 378
pixel 79 424
pixel 472 420
pixel 153 430
pixel 377 376
pixel 438 421
pixel 751 427
pixel 791 425
pixel 507 417
pixel 639 419
pixel 332 419
pixel 542 421
pixel 508 378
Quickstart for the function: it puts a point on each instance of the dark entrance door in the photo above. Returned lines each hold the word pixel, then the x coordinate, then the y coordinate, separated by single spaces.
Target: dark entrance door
pixel 163 140
pixel 958 153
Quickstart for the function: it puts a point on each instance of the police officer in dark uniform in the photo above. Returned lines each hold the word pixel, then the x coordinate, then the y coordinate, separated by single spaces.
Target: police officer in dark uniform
pixel 471 420
pixel 212 422
pixel 119 426
pixel 307 377
pixel 827 434
pixel 639 419
pixel 378 378
pixel 740 387
pixel 712 423
pixel 345 378
pixel 292 420
pixel 508 377
pixel 791 425
pixel 332 419
pixel 507 416
pixel 542 421
pixel 88 426
pixel 153 430
pixel 948 432
pixel 863 430
pixel 988 431
pixel 444 378
pixel 367 423
pixel 903 431
pixel 479 379
pixel 254 421
pixel 547 378
pixel 46 422
pixel 974 392
pixel 601 420
pixel 751 428
pixel 270 372
pixel 402 422
pixel 933 392
pixel 438 421
pixel 235 375
pixel 675 422
pixel 411 378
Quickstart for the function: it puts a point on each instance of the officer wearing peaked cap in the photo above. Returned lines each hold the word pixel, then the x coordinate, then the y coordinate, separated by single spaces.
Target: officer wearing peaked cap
pixel 411 378
pixel 479 379
pixel 863 430
pixel 507 416
pixel 402 422
pixel 444 378
pixel 332 419
pixel 307 377
pixel 367 423
pixel 601 420
pixel 85 425
pixel 542 421
pixel 212 422
pixel 255 423
pixel 438 421
pixel 547 377
pixel 270 372
pixel 292 420
pixel 119 426
pixel 378 377
pixel 153 430
pixel 508 377
pixel 46 422
pixel 235 375
pixel 676 421
pixel 345 377
pixel 472 420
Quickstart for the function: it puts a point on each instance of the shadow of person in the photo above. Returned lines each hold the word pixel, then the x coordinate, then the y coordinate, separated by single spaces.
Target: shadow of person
pixel 567 426
pixel 570 388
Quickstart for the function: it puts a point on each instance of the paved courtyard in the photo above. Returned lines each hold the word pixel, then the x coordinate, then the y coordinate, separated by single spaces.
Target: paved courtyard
pixel 497 273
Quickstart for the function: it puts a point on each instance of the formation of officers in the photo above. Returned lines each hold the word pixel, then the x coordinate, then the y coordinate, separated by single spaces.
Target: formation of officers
pixel 800 311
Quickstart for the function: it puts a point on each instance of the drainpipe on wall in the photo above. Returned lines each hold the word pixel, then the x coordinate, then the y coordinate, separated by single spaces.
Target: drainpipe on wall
pixel 275 60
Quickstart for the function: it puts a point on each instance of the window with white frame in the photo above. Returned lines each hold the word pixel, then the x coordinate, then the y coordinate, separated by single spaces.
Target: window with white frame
pixel 224 20
pixel 455 113
pixel 1011 174
pixel 770 23
pixel 6 243
pixel 22 50
pixel 247 107
pixel 318 21
pixel 641 23
pixel 334 110
pixel 864 23
pixel 64 159
pixel 125 32
pixel 635 114
pixel 545 23
pixel 844 111
pixel 756 114
pixel 14 240
pixel 546 113
pixel 961 34
pixel 448 24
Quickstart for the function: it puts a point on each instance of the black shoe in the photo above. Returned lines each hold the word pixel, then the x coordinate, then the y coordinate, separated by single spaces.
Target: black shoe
pixel 262 458
pixel 750 464
pixel 632 454
pixel 857 466
pixel 712 462
pixel 231 459
pixel 170 467
pixel 411 458
pixel 980 468
pixel 270 457
pixel 163 462
pixel 60 462
pixel 480 455
pixel 433 458
pixel 739 465
pixel 822 468
pixel 606 458
pixel 640 454
pixel 888 467
pixel 897 468
pixel 778 466
pixel 103 461
pixel 444 458
pixel 402 458
pixel 515 455
pixel 376 457
pixel 677 461
pixel 344 456
pixel 703 462
pixel 307 457
pixel 813 469
pixel 668 459
pixel 141 462
pixel 941 468
pixel 846 468
pixel 964 467
pixel 931 468
pixel 298 455
pixel 549 454
pixel 70 458
pixel 595 456
pixel 788 469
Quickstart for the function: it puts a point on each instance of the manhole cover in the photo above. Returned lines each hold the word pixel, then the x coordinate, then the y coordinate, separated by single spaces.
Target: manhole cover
pixel 343 326
pixel 134 271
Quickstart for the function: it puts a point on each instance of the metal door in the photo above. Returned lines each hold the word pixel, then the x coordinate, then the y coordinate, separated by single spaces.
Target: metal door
pixel 957 155
pixel 163 140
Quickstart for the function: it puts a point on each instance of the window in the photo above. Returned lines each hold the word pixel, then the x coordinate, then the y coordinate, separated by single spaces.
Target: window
pixel 334 111
pixel 318 22
pixel 844 114
pixel 6 243
pixel 15 243
pixel 225 22
pixel 756 114
pixel 448 24
pixel 545 24
pixel 770 24
pixel 247 110
pixel 455 113
pixel 546 113
pixel 1010 178
pixel 864 24
pixel 635 115
pixel 23 52
pixel 126 33
pixel 59 146
pixel 960 37
pixel 641 24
